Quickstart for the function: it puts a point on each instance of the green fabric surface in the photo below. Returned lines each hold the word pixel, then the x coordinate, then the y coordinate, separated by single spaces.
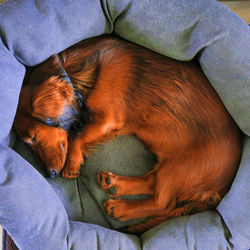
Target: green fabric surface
pixel 124 155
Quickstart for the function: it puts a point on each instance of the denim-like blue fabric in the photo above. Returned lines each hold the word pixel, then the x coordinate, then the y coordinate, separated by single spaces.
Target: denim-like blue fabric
pixel 203 231
pixel 32 30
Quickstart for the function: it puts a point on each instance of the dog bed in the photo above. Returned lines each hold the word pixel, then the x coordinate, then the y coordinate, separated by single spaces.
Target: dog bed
pixel 41 213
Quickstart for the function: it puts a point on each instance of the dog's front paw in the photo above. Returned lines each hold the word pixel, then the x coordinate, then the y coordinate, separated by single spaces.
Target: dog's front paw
pixel 72 167
pixel 74 160
pixel 70 173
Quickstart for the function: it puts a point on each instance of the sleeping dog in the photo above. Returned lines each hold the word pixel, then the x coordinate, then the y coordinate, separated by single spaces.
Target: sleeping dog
pixel 106 86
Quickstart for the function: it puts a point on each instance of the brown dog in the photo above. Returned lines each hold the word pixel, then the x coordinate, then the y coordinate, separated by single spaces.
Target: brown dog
pixel 114 87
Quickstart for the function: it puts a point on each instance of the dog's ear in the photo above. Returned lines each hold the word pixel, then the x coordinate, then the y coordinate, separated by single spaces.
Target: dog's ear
pixel 37 75
pixel 55 62
pixel 50 97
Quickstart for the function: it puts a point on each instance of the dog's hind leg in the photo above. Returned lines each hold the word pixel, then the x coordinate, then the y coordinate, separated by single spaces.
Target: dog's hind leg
pixel 163 198
pixel 144 226
pixel 123 185
pixel 208 200
pixel 170 181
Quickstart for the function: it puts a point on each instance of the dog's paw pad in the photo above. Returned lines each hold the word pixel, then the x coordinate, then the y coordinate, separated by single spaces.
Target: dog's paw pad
pixel 108 181
pixel 109 207
pixel 112 190
pixel 105 179
pixel 110 211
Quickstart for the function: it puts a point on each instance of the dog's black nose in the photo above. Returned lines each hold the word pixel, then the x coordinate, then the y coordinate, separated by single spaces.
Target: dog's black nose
pixel 52 173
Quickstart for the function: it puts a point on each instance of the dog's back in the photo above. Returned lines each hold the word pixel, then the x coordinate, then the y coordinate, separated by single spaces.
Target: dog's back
pixel 168 104
pixel 173 109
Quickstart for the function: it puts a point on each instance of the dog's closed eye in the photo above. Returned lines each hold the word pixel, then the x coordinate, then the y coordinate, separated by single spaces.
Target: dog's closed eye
pixel 31 140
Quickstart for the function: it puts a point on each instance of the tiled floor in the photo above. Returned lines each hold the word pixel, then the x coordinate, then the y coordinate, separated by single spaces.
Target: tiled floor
pixel 241 8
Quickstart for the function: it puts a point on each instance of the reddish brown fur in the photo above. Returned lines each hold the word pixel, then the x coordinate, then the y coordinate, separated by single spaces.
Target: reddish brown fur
pixel 167 104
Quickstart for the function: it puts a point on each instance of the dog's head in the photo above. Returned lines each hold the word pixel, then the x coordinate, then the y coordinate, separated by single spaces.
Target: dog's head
pixel 44 114
pixel 48 111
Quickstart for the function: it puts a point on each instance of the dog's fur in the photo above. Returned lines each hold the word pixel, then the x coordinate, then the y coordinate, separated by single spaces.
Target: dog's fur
pixel 127 89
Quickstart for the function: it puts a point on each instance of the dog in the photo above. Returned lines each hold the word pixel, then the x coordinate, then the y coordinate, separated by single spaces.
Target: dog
pixel 106 86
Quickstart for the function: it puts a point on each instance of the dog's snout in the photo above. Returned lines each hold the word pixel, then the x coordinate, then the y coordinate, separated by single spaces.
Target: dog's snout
pixel 52 173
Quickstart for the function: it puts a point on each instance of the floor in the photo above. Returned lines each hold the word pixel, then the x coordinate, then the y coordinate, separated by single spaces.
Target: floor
pixel 241 8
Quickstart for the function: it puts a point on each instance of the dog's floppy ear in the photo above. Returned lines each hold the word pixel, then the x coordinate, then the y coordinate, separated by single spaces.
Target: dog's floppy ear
pixel 50 97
